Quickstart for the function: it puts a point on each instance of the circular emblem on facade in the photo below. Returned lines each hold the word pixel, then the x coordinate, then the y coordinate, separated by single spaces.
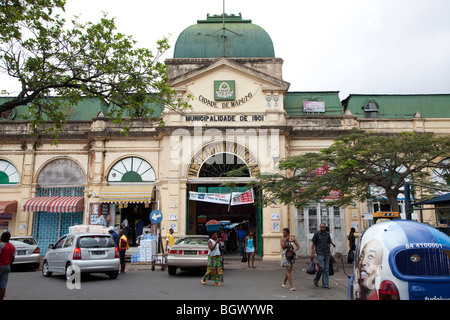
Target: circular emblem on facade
pixel 224 90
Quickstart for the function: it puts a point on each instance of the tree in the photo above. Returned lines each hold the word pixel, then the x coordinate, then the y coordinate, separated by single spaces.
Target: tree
pixel 346 171
pixel 58 64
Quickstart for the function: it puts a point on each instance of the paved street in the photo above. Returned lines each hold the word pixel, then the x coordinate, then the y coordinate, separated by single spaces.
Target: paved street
pixel 140 283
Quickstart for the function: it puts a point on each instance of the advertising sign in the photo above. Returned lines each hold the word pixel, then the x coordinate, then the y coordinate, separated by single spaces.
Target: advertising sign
pixel 314 106
pixel 238 198
pixel 210 197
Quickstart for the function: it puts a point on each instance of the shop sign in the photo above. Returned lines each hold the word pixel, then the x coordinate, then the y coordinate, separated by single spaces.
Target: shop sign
pixel 5 216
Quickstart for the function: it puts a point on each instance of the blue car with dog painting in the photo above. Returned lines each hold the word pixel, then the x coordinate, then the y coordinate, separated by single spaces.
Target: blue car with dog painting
pixel 401 260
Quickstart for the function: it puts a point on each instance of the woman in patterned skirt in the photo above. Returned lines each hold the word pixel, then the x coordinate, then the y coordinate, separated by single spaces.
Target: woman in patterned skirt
pixel 288 241
pixel 214 269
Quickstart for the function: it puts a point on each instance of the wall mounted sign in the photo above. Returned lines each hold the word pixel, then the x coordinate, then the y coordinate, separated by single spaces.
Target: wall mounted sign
pixel 314 106
pixel 225 118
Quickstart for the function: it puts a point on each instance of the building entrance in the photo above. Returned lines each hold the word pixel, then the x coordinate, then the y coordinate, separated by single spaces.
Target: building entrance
pixel 247 216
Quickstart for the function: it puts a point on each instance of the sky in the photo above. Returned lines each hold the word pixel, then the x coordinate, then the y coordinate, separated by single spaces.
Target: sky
pixel 350 46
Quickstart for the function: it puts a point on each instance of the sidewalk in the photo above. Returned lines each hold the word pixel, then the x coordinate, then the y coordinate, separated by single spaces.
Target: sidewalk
pixel 339 281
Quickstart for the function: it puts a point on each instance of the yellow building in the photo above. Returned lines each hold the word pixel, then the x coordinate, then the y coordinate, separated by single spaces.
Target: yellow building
pixel 242 114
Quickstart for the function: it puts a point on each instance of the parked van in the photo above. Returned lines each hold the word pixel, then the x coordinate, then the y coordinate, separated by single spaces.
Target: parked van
pixel 401 260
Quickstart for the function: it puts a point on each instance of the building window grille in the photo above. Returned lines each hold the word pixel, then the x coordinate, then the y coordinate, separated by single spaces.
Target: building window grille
pixel 371 110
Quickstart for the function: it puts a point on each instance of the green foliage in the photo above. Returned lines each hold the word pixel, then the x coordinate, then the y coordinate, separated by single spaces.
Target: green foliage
pixel 57 65
pixel 353 164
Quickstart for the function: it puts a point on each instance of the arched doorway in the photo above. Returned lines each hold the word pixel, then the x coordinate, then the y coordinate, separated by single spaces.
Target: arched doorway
pixel 223 168
pixel 59 201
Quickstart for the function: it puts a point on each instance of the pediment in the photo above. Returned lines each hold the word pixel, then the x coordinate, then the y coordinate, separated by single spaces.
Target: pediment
pixel 232 67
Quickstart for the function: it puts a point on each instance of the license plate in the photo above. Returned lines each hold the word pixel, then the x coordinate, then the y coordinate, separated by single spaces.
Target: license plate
pixel 190 252
pixel 21 253
pixel 97 253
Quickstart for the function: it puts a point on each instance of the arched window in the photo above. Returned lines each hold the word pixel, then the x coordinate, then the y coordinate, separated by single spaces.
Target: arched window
pixel 8 173
pixel 220 164
pixel 370 110
pixel 132 169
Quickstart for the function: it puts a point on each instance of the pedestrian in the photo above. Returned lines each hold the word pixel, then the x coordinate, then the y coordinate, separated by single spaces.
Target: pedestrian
pixel 352 245
pixel 241 234
pixel 6 260
pixel 250 249
pixel 170 240
pixel 224 240
pixel 214 269
pixel 287 243
pixel 115 236
pixel 123 247
pixel 321 247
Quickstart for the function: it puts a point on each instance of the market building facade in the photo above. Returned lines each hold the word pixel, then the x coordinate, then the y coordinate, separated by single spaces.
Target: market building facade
pixel 242 114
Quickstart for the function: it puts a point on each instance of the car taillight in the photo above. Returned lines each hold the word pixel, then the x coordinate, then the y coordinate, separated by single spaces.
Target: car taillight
pixel 176 251
pixel 116 253
pixel 76 254
pixel 388 291
pixel 37 250
pixel 203 252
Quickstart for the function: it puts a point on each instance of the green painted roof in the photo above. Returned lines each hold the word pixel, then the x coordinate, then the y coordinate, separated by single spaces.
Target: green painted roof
pixel 243 39
pixel 401 106
pixel 86 109
pixel 293 102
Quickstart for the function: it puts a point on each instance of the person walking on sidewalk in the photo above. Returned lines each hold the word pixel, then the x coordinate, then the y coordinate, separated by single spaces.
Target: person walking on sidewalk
pixel 287 243
pixel 241 234
pixel 214 269
pixel 123 247
pixel 6 260
pixel 250 249
pixel 321 247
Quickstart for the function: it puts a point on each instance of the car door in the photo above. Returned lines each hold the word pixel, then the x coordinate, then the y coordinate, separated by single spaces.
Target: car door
pixel 56 263
pixel 66 252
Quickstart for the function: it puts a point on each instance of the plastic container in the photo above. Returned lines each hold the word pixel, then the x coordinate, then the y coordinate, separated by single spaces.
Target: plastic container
pixel 213 227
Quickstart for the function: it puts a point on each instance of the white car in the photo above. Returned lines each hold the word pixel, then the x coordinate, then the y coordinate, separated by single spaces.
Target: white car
pixel 188 252
pixel 27 251
pixel 90 252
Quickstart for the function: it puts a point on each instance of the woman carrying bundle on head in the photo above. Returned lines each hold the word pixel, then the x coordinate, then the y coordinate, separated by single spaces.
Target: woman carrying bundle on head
pixel 214 269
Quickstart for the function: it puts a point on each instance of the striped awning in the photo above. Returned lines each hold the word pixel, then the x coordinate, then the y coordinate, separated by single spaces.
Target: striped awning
pixel 126 194
pixel 54 204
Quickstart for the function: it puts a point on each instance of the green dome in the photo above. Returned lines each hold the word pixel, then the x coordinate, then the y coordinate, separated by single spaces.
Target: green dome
pixel 243 39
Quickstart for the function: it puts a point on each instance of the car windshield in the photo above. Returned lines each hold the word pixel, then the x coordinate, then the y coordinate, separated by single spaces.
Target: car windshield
pixel 22 241
pixel 96 241
pixel 193 240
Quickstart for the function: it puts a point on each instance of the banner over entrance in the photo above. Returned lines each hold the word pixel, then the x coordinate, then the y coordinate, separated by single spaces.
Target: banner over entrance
pixel 234 198
pixel 238 198
pixel 210 197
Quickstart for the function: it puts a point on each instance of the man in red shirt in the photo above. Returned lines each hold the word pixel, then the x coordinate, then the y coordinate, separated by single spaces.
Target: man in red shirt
pixel 6 260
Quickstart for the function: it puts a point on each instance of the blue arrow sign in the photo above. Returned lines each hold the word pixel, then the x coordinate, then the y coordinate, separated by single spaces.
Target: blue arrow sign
pixel 156 216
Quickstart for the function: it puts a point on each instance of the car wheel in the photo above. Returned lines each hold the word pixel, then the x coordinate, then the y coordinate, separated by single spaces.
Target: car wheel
pixel 45 271
pixel 69 271
pixel 113 274
pixel 172 270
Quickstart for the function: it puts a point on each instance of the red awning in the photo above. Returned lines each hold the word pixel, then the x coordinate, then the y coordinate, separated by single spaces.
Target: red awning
pixel 54 204
pixel 8 207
